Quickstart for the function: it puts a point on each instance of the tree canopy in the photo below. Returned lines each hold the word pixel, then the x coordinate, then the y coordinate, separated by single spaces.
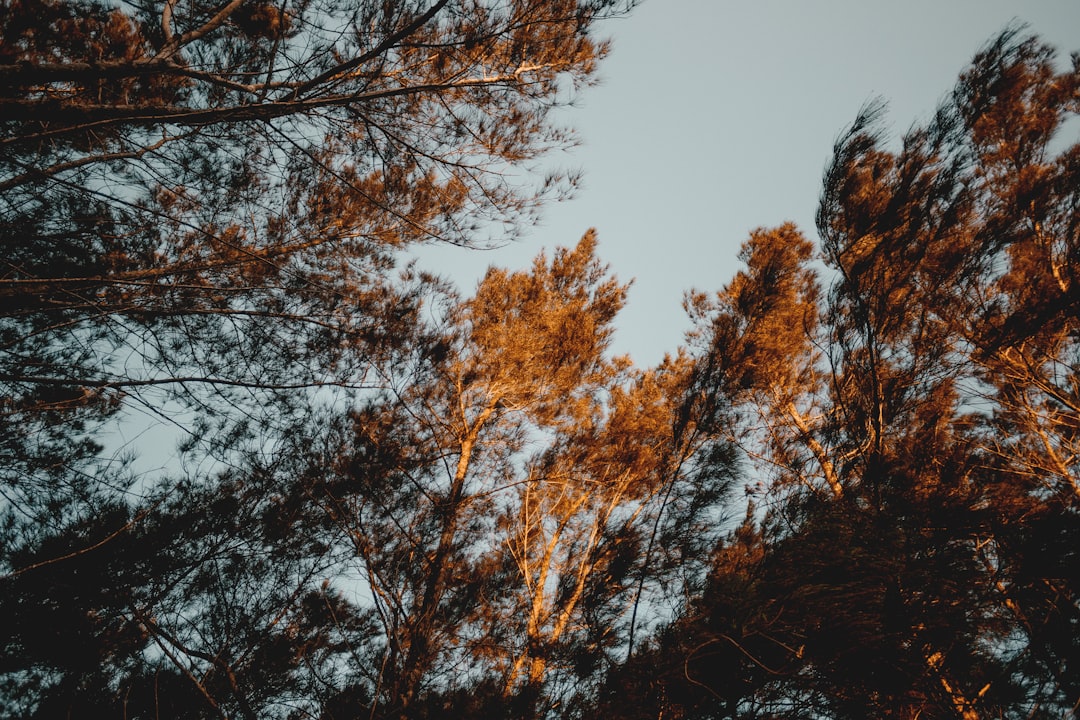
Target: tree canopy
pixel 914 426
pixel 203 198
pixel 396 500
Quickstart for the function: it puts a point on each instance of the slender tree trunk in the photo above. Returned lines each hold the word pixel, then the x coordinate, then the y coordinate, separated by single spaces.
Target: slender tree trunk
pixel 417 658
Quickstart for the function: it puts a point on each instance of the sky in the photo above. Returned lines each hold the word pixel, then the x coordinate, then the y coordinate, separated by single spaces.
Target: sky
pixel 716 117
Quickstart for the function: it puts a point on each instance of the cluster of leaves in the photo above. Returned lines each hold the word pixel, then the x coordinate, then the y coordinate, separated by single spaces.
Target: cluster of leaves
pixel 397 502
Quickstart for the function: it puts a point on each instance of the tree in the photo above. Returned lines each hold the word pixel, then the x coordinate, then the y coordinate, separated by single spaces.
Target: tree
pixel 201 217
pixel 524 354
pixel 968 227
pixel 757 339
pixel 915 426
pixel 203 200
pixel 615 507
pixel 481 553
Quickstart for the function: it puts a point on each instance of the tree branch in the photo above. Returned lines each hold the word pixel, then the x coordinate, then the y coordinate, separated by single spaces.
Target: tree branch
pixel 387 43
pixel 81 118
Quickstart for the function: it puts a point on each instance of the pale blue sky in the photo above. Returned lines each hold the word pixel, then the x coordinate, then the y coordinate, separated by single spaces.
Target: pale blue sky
pixel 714 118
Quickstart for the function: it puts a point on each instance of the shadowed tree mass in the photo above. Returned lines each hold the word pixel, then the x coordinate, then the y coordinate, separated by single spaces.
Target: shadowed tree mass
pixel 393 500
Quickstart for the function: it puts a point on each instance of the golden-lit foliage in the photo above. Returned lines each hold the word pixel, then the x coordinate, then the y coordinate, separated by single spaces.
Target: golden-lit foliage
pixel 768 313
pixel 537 340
